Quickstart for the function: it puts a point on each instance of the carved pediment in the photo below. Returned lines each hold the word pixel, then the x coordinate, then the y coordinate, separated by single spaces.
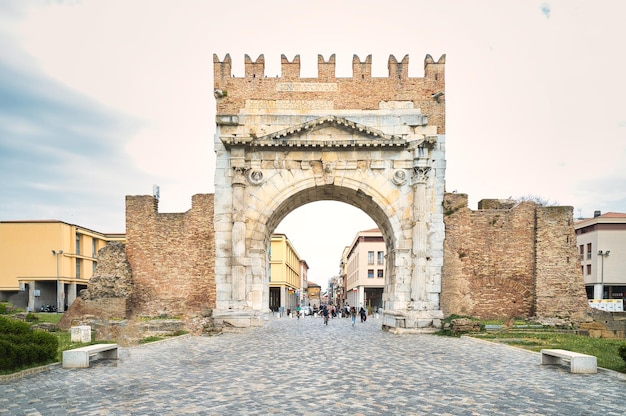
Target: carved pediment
pixel 326 131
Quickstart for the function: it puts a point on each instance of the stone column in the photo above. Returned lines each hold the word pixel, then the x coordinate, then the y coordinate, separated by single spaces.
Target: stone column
pixel 31 296
pixel 60 295
pixel 71 294
pixel 239 237
pixel 419 292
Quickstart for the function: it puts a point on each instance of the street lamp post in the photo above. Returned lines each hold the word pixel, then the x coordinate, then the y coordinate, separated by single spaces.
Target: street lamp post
pixel 603 254
pixel 57 254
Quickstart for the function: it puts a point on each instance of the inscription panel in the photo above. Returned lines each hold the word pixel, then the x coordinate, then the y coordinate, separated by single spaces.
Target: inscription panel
pixel 306 87
pixel 289 105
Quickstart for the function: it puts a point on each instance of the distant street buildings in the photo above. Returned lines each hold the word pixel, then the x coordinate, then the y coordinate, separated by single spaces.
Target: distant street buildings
pixel 601 242
pixel 362 281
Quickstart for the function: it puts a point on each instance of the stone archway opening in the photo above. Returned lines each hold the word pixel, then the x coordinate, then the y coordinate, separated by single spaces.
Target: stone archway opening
pixel 319 230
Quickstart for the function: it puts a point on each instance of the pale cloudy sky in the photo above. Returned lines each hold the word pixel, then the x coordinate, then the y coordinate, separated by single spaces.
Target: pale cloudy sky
pixel 102 99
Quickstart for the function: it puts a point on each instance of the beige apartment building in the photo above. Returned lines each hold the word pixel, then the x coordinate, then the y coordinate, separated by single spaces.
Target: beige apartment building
pixel 601 244
pixel 47 262
pixel 365 270
pixel 287 273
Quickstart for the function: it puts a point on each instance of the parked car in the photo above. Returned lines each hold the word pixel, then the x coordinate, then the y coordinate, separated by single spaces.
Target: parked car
pixel 306 310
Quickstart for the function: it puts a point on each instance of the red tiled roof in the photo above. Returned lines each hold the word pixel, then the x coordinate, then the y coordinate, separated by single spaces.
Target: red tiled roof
pixel 614 215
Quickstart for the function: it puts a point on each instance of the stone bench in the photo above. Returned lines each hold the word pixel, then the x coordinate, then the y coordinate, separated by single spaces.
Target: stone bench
pixel 579 363
pixel 80 357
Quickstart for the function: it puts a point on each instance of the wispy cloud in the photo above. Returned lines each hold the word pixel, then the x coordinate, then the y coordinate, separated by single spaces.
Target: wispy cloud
pixel 50 140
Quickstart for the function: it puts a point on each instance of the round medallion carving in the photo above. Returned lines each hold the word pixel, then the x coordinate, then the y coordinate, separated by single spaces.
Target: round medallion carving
pixel 399 177
pixel 255 177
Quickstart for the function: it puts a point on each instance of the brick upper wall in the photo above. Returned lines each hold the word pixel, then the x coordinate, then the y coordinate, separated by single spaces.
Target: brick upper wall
pixel 362 91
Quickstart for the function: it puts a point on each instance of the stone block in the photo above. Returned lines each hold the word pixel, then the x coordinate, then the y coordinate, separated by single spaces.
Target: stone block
pixel 80 333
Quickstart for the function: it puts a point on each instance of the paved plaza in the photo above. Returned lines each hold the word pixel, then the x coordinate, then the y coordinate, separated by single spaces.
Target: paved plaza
pixel 301 367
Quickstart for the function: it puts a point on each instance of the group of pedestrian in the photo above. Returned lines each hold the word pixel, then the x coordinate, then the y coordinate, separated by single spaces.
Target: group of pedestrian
pixel 349 311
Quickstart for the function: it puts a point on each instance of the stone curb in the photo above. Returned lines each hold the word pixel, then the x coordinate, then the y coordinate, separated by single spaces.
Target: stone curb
pixel 5 378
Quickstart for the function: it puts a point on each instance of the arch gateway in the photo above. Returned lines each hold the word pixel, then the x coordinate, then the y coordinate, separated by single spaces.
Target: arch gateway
pixel 375 143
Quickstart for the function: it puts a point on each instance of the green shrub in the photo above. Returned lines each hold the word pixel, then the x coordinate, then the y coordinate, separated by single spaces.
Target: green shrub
pixel 622 351
pixel 3 308
pixel 20 347
pixel 12 326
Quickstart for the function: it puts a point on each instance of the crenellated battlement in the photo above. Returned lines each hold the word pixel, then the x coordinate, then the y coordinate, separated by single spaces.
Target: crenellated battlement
pixel 290 70
pixel 255 91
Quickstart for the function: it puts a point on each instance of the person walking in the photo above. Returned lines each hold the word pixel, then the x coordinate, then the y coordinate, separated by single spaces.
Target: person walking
pixel 353 315
pixel 325 313
pixel 363 314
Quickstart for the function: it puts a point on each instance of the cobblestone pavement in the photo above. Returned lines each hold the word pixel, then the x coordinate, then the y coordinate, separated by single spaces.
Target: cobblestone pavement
pixel 301 367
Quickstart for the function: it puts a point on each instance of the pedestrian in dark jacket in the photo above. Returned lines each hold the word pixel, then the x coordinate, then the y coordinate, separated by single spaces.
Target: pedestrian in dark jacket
pixel 363 314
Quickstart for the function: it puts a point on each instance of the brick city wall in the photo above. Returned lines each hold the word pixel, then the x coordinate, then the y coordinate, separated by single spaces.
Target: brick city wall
pixel 172 257
pixel 560 286
pixel 510 260
pixel 516 261
pixel 362 91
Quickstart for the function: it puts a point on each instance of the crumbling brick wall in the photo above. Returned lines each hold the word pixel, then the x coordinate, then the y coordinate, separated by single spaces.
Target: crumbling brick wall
pixel 172 257
pixel 510 260
pixel 560 287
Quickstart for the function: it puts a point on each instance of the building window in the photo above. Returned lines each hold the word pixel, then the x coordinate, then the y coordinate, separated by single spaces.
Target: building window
pixel 589 269
pixel 370 273
pixel 370 257
pixel 93 266
pixel 380 273
pixel 78 266
pixel 588 251
pixel 381 257
pixel 94 247
pixel 77 243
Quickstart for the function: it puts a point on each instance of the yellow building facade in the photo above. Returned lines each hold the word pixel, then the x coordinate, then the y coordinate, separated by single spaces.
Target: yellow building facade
pixel 285 275
pixel 47 262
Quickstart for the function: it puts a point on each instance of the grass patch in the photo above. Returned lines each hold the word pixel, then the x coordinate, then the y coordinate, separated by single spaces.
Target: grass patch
pixel 147 340
pixel 52 318
pixel 605 350
pixel 153 338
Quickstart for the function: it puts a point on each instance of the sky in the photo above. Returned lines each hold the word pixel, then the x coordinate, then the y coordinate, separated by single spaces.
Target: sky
pixel 105 98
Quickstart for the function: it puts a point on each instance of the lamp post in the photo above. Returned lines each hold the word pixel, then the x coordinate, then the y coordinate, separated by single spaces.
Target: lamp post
pixel 603 254
pixel 57 254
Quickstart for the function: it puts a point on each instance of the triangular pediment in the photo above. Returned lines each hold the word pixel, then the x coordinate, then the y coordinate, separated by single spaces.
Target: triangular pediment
pixel 329 131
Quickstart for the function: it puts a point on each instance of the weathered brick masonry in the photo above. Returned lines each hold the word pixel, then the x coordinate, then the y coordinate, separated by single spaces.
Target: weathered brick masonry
pixel 172 257
pixel 500 261
pixel 361 91
pixel 510 260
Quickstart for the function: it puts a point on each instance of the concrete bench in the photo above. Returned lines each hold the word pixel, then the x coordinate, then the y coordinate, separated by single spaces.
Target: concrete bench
pixel 579 363
pixel 79 357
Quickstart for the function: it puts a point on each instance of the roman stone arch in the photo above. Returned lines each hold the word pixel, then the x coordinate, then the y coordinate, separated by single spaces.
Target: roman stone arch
pixel 375 143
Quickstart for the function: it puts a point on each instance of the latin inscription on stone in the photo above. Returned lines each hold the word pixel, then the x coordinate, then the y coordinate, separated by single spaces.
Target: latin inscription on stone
pixel 306 87
pixel 289 105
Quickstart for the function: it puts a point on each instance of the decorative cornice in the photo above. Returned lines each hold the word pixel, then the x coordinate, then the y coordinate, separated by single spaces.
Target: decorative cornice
pixel 290 137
